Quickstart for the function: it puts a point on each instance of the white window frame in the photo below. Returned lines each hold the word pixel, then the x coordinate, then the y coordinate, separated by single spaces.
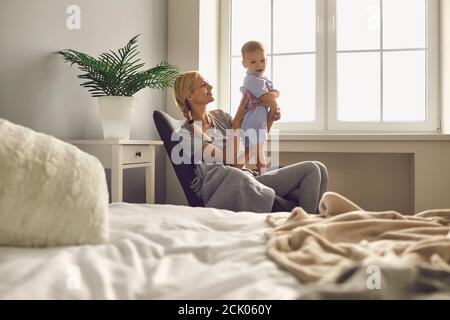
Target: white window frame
pixel 326 58
pixel 432 69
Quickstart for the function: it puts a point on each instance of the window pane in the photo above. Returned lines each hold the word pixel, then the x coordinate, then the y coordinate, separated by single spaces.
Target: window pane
pixel 294 26
pixel 295 78
pixel 358 86
pixel 404 24
pixel 237 80
pixel 358 24
pixel 404 86
pixel 250 20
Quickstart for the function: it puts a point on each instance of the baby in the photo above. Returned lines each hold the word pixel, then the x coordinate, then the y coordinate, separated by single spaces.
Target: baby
pixel 261 93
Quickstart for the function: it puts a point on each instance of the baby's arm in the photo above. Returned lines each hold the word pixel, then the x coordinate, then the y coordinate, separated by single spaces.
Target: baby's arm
pixel 258 88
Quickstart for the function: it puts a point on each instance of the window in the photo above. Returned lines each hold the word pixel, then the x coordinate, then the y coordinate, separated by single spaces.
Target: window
pixel 366 65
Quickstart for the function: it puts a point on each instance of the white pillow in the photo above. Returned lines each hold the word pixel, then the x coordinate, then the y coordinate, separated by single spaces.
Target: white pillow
pixel 51 193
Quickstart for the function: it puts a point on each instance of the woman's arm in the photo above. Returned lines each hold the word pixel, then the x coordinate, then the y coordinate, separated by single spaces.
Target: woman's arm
pixel 236 125
pixel 241 111
pixel 214 152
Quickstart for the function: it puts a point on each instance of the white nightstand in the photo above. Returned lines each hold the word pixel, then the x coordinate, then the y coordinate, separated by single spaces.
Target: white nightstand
pixel 118 155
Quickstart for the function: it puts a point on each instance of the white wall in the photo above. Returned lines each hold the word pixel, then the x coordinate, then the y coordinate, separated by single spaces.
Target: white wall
pixel 182 49
pixel 445 64
pixel 39 91
pixel 209 45
pixel 377 181
pixel 182 41
pixel 193 44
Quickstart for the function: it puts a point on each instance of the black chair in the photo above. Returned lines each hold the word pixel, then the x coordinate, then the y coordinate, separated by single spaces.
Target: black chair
pixel 166 125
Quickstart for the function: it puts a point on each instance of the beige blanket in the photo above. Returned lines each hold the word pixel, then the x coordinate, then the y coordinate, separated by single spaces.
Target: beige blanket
pixel 351 253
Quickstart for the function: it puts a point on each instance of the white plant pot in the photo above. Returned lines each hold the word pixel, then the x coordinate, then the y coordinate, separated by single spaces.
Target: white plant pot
pixel 116 114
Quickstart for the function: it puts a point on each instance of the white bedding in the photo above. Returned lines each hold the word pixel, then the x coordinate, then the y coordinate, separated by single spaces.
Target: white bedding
pixel 156 252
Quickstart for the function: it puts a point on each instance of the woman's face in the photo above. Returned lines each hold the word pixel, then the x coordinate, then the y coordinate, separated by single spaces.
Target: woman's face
pixel 201 92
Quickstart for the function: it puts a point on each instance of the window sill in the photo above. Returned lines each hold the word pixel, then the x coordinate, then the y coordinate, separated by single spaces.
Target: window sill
pixel 362 137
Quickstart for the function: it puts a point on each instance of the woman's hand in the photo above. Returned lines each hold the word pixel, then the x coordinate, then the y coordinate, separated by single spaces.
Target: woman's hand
pixel 277 114
pixel 276 91
pixel 256 173
pixel 242 109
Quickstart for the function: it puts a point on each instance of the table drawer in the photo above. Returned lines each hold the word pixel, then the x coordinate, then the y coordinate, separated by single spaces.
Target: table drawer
pixel 135 154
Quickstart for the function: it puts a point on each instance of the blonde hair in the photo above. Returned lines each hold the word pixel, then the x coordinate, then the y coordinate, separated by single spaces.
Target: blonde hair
pixel 252 46
pixel 183 87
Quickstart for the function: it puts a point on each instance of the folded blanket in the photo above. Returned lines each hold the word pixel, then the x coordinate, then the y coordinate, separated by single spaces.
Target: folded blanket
pixel 321 249
pixel 225 187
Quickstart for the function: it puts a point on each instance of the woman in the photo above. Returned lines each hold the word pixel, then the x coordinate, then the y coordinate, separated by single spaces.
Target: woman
pixel 301 184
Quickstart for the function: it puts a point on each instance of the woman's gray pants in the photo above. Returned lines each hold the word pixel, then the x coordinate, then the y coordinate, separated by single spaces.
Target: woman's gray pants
pixel 300 184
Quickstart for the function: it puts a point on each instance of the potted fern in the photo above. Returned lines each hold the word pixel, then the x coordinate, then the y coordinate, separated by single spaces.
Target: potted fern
pixel 114 78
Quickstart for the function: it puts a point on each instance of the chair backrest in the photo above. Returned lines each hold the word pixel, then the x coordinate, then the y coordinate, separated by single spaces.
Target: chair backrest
pixel 166 125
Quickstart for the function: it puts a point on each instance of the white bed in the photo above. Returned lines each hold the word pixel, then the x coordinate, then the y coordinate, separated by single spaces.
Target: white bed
pixel 155 252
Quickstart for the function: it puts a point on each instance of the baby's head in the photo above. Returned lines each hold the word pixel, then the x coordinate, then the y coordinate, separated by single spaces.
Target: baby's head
pixel 254 57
